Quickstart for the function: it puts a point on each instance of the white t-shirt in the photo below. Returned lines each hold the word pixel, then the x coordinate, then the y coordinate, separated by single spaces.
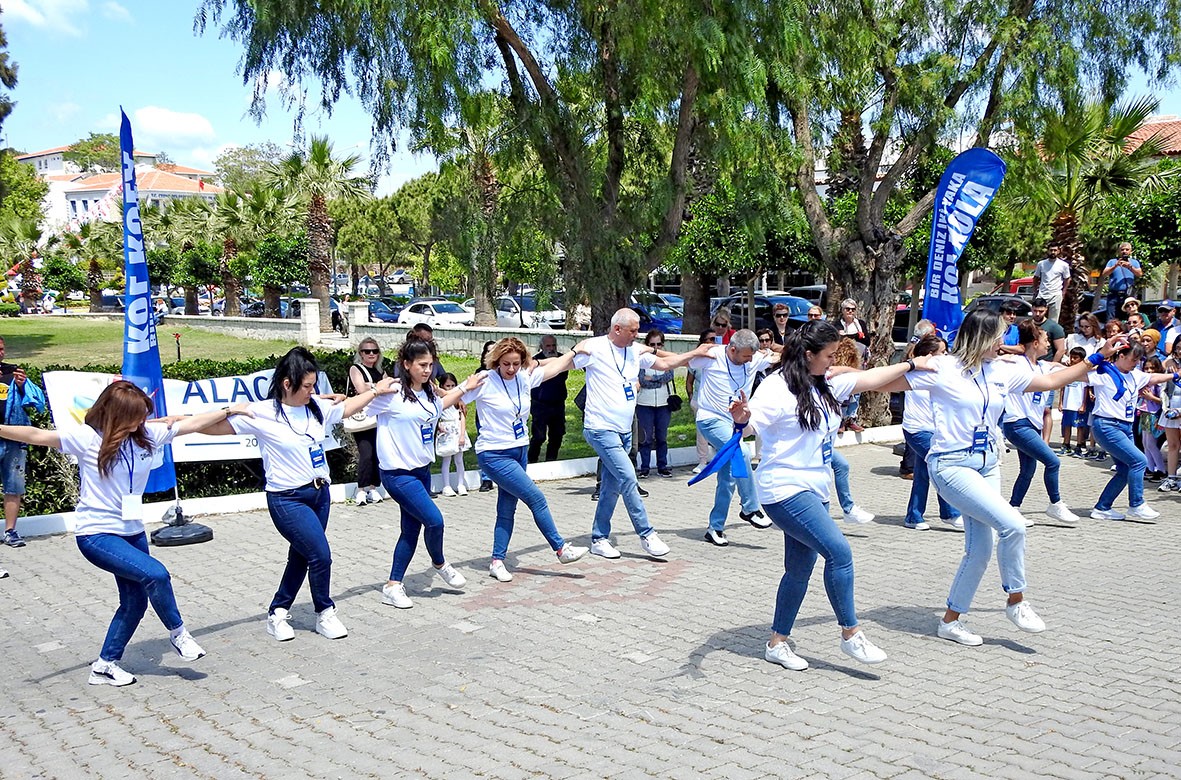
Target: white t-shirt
pixel 958 402
pixel 720 381
pixel 1054 272
pixel 1106 405
pixel 406 429
pixel 1028 406
pixel 100 499
pixel 793 459
pixel 1090 345
pixel 502 406
pixel 291 440
pixel 916 413
pixel 1074 395
pixel 612 374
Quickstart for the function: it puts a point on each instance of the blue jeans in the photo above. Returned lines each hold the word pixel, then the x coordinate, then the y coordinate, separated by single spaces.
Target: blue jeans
pixel 653 425
pixel 301 517
pixel 1031 450
pixel 920 443
pixel 840 475
pixel 717 432
pixel 971 481
pixel 619 479
pixel 808 531
pixel 1115 300
pixel 411 489
pixel 507 469
pixel 13 457
pixel 1115 436
pixel 140 577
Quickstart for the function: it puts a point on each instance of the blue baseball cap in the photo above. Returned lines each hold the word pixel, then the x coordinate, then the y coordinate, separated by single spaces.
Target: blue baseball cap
pixel 1166 305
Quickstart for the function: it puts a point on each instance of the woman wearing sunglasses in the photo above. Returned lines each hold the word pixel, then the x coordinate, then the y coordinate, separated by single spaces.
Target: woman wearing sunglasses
pixel 367 370
pixel 653 412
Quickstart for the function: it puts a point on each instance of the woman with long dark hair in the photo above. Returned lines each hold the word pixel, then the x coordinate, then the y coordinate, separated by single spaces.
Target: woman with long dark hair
pixel 291 426
pixel 797 412
pixel 918 426
pixel 117 448
pixel 968 390
pixel 367 370
pixel 406 423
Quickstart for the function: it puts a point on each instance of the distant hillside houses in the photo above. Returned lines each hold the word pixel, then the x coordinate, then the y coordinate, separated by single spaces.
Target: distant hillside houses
pixel 75 198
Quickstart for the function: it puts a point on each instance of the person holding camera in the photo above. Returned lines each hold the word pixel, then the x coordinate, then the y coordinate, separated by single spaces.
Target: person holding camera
pixel 19 396
pixel 1121 273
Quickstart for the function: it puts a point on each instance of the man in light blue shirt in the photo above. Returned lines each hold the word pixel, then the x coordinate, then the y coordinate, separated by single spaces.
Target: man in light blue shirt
pixel 1121 273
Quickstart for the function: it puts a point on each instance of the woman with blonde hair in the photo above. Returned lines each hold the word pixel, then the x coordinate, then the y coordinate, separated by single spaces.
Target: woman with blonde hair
pixel 367 370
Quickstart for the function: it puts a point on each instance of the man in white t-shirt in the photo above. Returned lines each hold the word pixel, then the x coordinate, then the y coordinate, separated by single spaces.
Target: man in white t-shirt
pixel 724 375
pixel 612 364
pixel 1051 276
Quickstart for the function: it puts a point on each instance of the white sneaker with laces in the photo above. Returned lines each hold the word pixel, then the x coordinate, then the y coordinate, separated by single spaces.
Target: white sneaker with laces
pixel 859 648
pixel 604 548
pixel 717 538
pixel 858 516
pixel 186 647
pixel 955 522
pixel 700 468
pixel 653 546
pixel 571 553
pixel 108 673
pixel 1143 512
pixel 1060 511
pixel 1169 483
pixel 3 572
pixel 1106 514
pixel 359 498
pixel 1029 522
pixel 956 631
pixel 394 594
pixel 461 490
pixel 1025 618
pixel 782 654
pixel 497 571
pixel 329 625
pixel 278 627
pixel 450 576
pixel 374 497
pixel 447 491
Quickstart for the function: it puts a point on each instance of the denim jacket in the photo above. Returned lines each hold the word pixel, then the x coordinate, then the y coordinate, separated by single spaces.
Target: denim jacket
pixel 19 399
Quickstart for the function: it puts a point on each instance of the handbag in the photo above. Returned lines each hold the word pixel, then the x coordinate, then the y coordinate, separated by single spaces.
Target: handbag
pixel 675 402
pixel 356 423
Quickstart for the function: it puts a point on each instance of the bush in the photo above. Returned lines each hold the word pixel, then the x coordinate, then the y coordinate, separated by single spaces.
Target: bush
pixel 10 310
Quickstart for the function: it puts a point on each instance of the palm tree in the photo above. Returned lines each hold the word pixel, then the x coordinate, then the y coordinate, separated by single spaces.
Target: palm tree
pixel 1082 158
pixel 230 218
pixel 184 224
pixel 318 177
pixel 20 241
pixel 97 246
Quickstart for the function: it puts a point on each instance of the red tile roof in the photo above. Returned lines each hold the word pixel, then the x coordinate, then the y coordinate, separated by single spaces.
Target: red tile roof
pixel 44 152
pixel 153 180
pixel 174 168
pixel 1167 129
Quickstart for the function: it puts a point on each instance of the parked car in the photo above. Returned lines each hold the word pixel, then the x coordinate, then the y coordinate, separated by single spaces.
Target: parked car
pixel 435 312
pixel 996 301
pixel 675 301
pixel 255 309
pixel 1023 287
pixel 379 312
pixel 797 309
pixel 521 311
pixel 658 315
pixel 816 294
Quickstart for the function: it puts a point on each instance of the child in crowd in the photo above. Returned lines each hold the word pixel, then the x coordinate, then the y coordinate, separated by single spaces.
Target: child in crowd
pixel 451 441
pixel 1072 402
pixel 1149 406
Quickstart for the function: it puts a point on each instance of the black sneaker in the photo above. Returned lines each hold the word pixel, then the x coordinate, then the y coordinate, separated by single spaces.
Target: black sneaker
pixel 13 539
pixel 756 518
pixel 667 473
pixel 485 485
pixel 643 493
pixel 595 495
pixel 642 474
pixel 716 538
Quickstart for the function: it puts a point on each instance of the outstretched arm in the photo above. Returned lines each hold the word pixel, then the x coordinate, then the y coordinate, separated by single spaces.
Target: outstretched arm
pixel 891 379
pixel 455 397
pixel 551 367
pixel 670 362
pixel 358 402
pixel 1057 379
pixel 213 423
pixel 40 437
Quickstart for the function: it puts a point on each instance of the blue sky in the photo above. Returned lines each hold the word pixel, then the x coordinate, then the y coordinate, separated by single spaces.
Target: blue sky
pixel 81 59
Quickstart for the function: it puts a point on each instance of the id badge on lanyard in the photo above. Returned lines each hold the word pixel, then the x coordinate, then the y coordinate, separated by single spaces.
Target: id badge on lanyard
pixel 519 428
pixel 316 453
pixel 826 450
pixel 428 433
pixel 980 438
pixel 629 392
pixel 133 508
pixel 1129 411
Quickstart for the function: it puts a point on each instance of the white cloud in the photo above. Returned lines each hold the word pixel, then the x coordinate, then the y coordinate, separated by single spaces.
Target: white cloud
pixel 64 111
pixel 54 15
pixel 116 12
pixel 203 156
pixel 159 128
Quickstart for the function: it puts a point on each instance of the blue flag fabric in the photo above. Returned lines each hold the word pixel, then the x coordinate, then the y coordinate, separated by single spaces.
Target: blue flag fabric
pixel 141 352
pixel 965 191
pixel 731 452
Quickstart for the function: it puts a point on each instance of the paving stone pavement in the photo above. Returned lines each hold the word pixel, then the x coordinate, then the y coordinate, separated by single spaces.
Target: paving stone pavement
pixel 604 669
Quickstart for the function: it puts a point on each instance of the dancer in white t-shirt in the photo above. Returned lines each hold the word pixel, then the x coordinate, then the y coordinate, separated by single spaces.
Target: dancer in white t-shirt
pixel 796 412
pixel 117 448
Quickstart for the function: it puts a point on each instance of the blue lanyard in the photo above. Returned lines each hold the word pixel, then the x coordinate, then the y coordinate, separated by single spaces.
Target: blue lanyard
pixel 516 384
pixel 129 459
pixel 434 411
pixel 745 376
pixel 616 362
pixel 307 416
pixel 984 392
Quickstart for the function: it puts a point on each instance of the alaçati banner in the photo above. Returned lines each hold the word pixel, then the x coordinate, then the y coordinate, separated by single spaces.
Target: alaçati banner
pixel 72 393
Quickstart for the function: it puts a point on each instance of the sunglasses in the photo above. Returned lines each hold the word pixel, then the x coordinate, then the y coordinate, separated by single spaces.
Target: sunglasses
pixel 656 343
pixel 371 352
pixel 781 316
pixel 764 341
pixel 719 324
pixel 811 316
pixel 848 308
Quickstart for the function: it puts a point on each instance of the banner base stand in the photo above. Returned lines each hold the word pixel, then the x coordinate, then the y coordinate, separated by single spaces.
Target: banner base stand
pixel 178 535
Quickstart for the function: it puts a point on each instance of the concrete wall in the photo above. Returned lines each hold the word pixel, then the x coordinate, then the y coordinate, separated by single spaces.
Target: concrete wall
pixel 470 341
pixel 238 327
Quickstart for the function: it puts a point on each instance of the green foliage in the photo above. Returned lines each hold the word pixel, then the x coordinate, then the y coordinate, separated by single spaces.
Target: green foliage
pixel 163 263
pixel 60 274
pixel 95 153
pixel 243 168
pixel 277 261
pixel 1150 220
pixel 21 189
pixel 200 264
pixel 8 71
pixel 10 310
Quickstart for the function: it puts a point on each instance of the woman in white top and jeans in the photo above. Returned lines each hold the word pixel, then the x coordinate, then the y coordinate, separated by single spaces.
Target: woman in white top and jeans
pixel 796 412
pixel 968 390
pixel 117 448
pixel 653 413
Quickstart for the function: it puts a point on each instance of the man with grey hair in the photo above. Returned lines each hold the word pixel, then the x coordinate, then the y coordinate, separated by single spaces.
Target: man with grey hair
pixel 612 364
pixel 727 374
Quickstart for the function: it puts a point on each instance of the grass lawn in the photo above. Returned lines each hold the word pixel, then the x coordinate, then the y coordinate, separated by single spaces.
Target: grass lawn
pixel 43 341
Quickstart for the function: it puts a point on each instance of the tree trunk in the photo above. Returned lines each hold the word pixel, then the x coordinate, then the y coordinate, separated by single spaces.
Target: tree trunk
pixel 191 307
pixel 229 285
pixel 94 281
pixel 1065 237
pixel 270 301
pixel 694 289
pixel 319 245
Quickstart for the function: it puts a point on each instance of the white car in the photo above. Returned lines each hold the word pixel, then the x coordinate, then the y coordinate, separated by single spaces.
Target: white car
pixel 436 312
pixel 520 311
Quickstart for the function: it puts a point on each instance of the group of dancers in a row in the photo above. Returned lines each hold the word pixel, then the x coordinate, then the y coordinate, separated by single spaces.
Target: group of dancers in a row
pixel 795 412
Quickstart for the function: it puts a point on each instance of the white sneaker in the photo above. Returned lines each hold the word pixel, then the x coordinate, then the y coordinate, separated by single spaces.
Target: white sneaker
pixel 717 538
pixel 109 673
pixel 1025 618
pixel 955 522
pixel 374 497
pixel 394 594
pixel 571 553
pixel 700 468
pixel 329 625
pixel 858 516
pixel 1106 514
pixel 1143 512
pixel 278 627
pixel 1060 511
pixel 858 647
pixel 1169 483
pixel 604 548
pixel 461 490
pixel 919 526
pixel 653 546
pixel 186 647
pixel 359 498
pixel 956 631
pixel 3 573
pixel 450 576
pixel 447 491
pixel 1029 522
pixel 496 569
pixel 781 654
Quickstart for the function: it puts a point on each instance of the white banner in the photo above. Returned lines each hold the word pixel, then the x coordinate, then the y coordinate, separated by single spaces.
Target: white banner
pixel 72 393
